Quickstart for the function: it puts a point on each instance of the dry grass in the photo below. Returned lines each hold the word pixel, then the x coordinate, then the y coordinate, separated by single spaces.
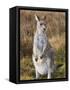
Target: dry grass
pixel 56 34
pixel 58 41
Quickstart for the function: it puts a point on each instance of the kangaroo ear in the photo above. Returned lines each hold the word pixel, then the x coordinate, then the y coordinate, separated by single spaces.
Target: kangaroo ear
pixel 43 17
pixel 36 17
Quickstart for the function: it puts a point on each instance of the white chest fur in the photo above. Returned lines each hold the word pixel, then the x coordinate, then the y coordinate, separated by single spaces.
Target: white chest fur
pixel 40 41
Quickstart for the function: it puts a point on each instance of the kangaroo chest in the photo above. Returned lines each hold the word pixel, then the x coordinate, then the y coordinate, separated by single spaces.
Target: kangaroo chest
pixel 41 41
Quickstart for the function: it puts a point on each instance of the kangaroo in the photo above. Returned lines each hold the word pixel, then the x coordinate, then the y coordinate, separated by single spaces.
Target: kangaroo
pixel 43 53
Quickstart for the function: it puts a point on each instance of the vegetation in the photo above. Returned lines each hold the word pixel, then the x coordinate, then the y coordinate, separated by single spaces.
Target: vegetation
pixel 56 34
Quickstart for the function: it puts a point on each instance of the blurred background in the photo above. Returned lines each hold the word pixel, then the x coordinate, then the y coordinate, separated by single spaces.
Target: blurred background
pixel 56 35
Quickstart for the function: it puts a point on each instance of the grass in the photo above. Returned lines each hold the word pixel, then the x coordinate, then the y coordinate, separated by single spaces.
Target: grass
pixel 27 69
pixel 56 35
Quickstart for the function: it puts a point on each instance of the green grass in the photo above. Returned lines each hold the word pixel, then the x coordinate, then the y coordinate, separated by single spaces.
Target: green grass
pixel 26 69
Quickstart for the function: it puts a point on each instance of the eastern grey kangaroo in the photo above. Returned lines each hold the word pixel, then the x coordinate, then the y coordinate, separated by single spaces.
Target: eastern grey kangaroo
pixel 43 53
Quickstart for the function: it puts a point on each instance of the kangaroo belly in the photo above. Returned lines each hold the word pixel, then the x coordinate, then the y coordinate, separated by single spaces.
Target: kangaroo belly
pixel 41 65
pixel 42 68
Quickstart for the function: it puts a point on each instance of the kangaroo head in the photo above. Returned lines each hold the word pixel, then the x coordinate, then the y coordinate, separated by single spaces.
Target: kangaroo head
pixel 41 25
